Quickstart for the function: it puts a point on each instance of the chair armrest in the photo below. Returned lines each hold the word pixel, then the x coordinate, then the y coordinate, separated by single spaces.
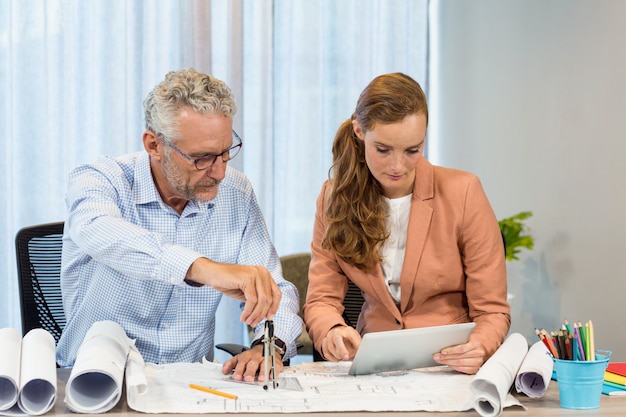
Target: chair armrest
pixel 232 348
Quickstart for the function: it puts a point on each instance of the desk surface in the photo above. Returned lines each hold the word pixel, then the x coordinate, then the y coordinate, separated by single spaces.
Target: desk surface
pixel 548 405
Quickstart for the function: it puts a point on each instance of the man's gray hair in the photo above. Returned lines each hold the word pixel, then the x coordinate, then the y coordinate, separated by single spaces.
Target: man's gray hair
pixel 186 88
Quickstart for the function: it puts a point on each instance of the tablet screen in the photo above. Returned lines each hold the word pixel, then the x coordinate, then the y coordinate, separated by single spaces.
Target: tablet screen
pixel 396 350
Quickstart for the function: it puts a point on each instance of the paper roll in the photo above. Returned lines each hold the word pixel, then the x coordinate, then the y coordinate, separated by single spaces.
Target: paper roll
pixel 495 378
pixel 95 383
pixel 535 371
pixel 10 341
pixel 38 377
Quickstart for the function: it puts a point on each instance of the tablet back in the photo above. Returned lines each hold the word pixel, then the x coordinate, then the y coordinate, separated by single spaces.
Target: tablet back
pixel 407 348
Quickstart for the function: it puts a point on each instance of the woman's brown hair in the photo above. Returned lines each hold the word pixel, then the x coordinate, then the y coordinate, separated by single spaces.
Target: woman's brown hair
pixel 355 208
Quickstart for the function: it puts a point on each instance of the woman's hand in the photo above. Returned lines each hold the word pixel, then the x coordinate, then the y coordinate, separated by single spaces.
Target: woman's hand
pixel 466 358
pixel 341 344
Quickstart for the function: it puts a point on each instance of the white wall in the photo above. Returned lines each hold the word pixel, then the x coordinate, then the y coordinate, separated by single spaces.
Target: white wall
pixel 531 96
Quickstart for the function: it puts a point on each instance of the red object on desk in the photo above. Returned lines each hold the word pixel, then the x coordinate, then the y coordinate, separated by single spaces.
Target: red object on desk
pixel 618 368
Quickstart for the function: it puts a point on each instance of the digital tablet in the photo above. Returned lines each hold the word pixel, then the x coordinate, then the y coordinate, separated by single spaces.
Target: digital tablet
pixel 404 349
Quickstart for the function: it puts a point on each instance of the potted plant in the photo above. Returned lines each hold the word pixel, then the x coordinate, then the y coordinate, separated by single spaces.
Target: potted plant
pixel 516 235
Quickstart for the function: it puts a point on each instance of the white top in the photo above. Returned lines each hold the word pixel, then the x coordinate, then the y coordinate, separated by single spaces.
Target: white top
pixel 394 247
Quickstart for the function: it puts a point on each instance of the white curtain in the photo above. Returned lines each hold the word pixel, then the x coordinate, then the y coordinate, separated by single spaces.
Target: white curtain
pixel 325 53
pixel 73 75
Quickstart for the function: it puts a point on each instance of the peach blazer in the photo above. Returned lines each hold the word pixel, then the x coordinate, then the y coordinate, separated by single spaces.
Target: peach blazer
pixel 454 268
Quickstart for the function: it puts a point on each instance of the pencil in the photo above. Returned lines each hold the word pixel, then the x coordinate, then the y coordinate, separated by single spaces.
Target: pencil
pixel 588 343
pixel 592 345
pixel 551 346
pixel 583 340
pixel 568 327
pixel 581 350
pixel 568 348
pixel 574 346
pixel 561 341
pixel 213 391
pixel 543 339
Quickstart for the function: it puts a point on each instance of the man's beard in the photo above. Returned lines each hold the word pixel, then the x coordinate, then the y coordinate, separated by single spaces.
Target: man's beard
pixel 175 179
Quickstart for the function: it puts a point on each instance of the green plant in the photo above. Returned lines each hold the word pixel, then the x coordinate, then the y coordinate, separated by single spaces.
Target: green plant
pixel 516 235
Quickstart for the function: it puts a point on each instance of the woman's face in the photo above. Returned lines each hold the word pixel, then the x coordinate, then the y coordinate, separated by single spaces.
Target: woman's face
pixel 392 151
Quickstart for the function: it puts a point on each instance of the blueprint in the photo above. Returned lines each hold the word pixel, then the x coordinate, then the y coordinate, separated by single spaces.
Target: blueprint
pixel 327 387
pixel 308 387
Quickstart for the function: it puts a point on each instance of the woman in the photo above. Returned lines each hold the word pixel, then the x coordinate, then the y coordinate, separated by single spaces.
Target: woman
pixel 420 241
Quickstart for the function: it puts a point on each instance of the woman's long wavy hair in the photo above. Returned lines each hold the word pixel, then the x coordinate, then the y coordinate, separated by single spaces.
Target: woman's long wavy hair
pixel 355 208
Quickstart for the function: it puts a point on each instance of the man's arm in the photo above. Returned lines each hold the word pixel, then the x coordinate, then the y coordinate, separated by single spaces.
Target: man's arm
pixel 100 199
pixel 251 284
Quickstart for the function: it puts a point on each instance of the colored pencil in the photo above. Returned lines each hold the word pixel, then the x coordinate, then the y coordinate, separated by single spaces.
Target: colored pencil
pixel 592 343
pixel 579 342
pixel 213 391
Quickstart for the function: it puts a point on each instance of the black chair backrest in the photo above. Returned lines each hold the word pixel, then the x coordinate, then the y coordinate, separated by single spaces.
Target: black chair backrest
pixel 353 302
pixel 38 251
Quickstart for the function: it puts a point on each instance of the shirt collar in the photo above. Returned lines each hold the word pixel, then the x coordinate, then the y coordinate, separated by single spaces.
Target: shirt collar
pixel 145 190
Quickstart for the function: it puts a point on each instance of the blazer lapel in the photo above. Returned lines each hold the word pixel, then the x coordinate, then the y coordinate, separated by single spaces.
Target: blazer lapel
pixel 419 223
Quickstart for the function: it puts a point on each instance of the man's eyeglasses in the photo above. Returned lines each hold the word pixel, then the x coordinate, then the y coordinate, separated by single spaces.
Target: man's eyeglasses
pixel 207 161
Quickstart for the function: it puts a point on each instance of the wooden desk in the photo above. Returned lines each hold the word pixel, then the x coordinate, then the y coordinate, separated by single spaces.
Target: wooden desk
pixel 546 406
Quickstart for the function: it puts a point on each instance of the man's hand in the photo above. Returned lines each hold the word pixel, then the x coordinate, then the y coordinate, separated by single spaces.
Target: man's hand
pixel 252 284
pixel 466 358
pixel 341 343
pixel 249 365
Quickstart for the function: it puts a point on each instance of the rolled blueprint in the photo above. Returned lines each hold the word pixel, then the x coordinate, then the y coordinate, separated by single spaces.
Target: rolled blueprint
pixel 495 378
pixel 28 375
pixel 38 373
pixel 535 372
pixel 10 348
pixel 95 383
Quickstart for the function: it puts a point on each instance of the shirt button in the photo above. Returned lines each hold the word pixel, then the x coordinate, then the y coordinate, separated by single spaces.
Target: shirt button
pixel 166 326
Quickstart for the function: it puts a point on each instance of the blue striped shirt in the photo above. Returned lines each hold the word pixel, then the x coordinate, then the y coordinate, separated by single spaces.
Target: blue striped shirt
pixel 126 254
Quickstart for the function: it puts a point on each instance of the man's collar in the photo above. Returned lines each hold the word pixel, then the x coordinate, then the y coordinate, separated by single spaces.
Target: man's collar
pixel 144 189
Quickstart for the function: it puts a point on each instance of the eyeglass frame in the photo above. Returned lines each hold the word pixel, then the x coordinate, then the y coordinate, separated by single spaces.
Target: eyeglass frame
pixel 194 161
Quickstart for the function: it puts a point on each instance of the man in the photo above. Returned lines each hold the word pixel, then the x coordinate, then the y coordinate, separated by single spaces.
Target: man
pixel 154 239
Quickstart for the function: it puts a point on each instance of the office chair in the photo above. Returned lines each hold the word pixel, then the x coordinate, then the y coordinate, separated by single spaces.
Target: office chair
pixel 38 252
pixel 353 302
pixel 296 270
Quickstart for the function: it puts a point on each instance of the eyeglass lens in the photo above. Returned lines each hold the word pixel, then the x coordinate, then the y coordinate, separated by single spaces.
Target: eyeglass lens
pixel 227 155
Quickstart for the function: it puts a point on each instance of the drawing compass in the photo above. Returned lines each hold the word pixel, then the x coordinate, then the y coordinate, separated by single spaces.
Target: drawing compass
pixel 269 357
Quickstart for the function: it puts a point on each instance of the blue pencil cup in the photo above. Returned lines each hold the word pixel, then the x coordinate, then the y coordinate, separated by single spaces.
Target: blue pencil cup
pixel 580 382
